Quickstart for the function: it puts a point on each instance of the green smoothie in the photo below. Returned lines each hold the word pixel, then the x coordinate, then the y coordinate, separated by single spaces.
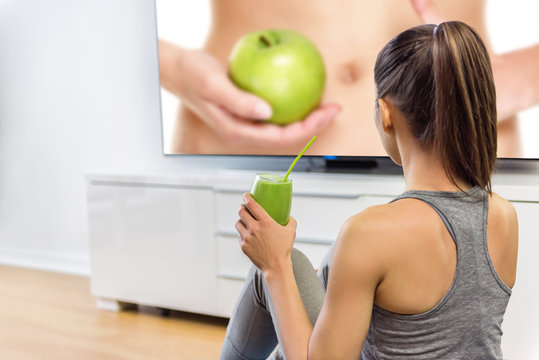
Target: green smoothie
pixel 274 195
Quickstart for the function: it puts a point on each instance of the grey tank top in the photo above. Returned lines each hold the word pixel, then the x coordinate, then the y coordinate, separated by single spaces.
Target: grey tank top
pixel 466 323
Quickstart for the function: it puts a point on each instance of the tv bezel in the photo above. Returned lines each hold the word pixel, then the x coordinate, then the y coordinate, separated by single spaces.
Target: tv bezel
pixel 376 165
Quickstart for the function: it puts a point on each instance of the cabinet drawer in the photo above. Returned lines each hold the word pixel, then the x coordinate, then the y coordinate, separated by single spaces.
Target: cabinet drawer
pixel 227 205
pixel 228 291
pixel 233 264
pixel 315 251
pixel 319 217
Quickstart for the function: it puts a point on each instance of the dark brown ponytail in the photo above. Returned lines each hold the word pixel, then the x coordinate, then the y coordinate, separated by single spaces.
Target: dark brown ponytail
pixel 440 78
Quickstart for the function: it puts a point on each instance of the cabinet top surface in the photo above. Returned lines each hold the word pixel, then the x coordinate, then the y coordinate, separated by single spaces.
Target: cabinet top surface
pixel 516 187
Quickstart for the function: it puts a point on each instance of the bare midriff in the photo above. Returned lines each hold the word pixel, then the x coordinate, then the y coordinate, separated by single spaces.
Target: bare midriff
pixel 349 34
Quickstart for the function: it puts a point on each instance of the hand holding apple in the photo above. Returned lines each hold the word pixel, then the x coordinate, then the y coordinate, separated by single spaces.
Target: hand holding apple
pixel 282 67
pixel 202 84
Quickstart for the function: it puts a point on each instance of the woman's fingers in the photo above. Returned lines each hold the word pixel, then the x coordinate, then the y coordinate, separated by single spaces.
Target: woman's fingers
pixel 246 217
pixel 238 102
pixel 312 125
pixel 240 132
pixel 256 211
pixel 242 229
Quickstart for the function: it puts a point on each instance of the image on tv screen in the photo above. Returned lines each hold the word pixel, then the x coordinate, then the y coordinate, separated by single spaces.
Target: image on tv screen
pixel 262 77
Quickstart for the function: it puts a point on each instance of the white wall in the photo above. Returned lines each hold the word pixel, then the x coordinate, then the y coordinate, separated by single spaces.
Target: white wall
pixel 78 91
pixel 70 98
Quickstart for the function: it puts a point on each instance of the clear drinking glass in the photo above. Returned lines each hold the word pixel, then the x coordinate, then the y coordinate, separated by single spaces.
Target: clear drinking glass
pixel 274 194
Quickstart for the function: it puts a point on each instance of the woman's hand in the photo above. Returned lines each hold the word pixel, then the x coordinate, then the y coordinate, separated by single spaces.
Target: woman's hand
pixel 262 239
pixel 200 81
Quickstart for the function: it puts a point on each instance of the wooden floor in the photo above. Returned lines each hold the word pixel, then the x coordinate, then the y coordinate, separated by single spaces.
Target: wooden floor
pixel 53 316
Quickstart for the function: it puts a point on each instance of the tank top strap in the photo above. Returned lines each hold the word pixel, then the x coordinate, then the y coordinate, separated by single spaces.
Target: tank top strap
pixel 454 207
pixel 464 215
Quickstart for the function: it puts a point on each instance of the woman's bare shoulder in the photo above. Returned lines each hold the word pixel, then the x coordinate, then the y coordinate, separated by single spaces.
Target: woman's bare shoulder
pixel 382 225
pixel 376 238
pixel 502 214
pixel 391 217
pixel 502 238
pixel 502 209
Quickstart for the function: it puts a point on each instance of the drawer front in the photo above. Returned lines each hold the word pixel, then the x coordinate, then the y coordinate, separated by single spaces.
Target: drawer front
pixel 233 264
pixel 228 291
pixel 319 217
pixel 227 205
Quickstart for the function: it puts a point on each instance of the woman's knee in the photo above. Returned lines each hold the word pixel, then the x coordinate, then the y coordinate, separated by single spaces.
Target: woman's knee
pixel 300 260
pixel 303 272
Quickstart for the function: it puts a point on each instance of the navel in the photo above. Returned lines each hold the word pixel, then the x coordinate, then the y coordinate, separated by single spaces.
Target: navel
pixel 349 72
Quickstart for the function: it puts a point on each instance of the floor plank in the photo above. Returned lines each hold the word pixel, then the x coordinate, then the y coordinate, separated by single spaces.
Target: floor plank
pixel 46 315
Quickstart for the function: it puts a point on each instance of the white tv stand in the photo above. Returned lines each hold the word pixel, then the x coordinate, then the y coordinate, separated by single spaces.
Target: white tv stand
pixel 169 240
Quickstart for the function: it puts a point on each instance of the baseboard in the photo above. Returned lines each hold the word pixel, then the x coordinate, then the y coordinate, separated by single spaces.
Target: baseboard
pixel 46 260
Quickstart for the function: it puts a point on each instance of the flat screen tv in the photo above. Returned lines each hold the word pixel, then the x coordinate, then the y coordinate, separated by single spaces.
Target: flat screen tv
pixel 202 113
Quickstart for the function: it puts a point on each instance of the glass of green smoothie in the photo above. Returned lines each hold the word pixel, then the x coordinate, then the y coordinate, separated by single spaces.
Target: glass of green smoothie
pixel 274 194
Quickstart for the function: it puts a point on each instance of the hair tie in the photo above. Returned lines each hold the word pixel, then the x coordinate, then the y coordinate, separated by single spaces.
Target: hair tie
pixel 435 29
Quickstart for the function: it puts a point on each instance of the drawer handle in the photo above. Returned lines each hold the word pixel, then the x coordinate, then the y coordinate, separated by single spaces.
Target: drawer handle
pixel 299 194
pixel 231 276
pixel 327 195
pixel 121 183
pixel 314 241
pixel 303 240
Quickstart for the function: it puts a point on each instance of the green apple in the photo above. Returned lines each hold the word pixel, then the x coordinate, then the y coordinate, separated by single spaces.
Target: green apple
pixel 282 67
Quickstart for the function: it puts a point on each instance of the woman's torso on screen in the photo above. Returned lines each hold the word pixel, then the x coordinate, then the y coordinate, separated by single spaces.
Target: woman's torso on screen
pixel 349 34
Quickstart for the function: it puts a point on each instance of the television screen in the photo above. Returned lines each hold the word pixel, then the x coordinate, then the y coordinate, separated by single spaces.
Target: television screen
pixel 205 110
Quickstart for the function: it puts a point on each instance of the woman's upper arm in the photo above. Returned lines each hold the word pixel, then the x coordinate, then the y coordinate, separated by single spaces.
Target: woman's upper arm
pixel 357 267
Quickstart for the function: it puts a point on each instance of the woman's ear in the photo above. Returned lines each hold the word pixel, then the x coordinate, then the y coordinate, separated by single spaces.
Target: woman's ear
pixel 386 116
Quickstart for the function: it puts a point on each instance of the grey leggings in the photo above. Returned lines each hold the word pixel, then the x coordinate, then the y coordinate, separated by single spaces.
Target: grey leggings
pixel 251 333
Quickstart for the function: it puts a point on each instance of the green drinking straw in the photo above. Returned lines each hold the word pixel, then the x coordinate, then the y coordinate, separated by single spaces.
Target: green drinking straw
pixel 297 157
